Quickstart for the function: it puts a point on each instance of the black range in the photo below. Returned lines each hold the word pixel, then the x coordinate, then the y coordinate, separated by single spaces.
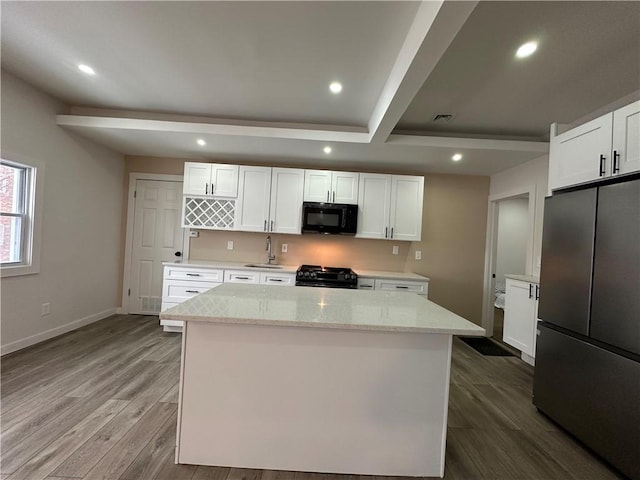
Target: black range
pixel 332 277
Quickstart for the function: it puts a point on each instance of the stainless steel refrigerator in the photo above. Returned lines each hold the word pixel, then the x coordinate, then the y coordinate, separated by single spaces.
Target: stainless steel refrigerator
pixel 587 372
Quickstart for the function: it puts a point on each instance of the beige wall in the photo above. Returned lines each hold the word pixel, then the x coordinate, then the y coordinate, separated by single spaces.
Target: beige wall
pixel 80 254
pixel 453 232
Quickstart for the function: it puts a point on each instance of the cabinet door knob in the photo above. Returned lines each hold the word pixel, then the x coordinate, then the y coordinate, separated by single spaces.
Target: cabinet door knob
pixel 530 291
pixel 327 196
pixel 602 160
pixel 616 162
pixel 272 225
pixel 537 292
pixel 206 189
pixel 385 232
pixel 334 197
pixel 178 254
pixel 391 232
pixel 265 226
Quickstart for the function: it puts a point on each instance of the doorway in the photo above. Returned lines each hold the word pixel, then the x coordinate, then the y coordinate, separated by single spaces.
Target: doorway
pixel 509 251
pixel 154 235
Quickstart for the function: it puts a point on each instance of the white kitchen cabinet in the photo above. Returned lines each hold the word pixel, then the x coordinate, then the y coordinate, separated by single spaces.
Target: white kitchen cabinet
pixel 390 207
pixel 626 138
pixel 181 283
pixel 285 210
pixel 520 315
pixel 333 187
pixel 366 283
pixel 210 179
pixel 241 276
pixel 277 278
pixel 410 286
pixel 270 200
pixel 603 147
pixel 254 195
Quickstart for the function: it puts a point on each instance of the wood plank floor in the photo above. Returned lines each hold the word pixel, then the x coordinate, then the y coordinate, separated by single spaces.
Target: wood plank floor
pixel 100 403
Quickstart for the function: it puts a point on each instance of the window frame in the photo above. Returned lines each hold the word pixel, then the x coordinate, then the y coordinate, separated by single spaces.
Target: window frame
pixel 31 219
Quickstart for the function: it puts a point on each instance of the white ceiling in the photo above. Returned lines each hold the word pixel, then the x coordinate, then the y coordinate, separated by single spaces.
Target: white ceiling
pixel 251 78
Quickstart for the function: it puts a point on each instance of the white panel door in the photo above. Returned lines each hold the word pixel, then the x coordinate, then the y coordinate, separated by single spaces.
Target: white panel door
pixel 626 138
pixel 317 186
pixel 287 188
pixel 157 236
pixel 344 186
pixel 406 208
pixel 253 199
pixel 582 154
pixel 197 178
pixel 373 205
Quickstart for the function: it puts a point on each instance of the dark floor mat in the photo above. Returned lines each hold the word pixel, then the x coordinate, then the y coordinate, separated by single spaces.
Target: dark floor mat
pixel 487 347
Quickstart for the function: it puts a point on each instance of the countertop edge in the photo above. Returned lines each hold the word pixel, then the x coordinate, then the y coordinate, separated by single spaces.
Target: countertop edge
pixel 336 326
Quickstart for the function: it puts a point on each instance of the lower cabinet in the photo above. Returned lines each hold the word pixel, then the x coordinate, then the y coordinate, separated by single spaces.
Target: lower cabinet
pixel 410 286
pixel 180 283
pixel 520 315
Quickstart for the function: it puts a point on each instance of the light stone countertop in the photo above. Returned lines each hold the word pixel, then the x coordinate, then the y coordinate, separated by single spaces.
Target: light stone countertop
pixel 320 308
pixel 523 278
pixel 294 268
pixel 233 265
pixel 390 275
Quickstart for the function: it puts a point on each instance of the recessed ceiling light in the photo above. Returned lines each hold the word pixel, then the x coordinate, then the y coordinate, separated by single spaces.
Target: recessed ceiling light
pixel 526 49
pixel 201 142
pixel 335 87
pixel 457 157
pixel 86 69
pixel 327 150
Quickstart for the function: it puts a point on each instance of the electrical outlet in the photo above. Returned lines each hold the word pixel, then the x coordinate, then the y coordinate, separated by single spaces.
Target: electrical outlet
pixel 285 247
pixel 418 255
pixel 230 245
pixel 194 233
pixel 395 249
pixel 46 309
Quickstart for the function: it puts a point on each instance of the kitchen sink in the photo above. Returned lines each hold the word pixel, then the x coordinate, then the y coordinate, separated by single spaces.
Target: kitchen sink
pixel 257 265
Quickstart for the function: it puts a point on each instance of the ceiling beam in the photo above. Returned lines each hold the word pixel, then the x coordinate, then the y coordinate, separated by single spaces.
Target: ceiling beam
pixel 468 143
pixel 265 130
pixel 433 29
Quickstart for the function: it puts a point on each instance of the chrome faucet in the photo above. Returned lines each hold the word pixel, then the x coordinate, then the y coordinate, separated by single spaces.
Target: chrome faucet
pixel 270 256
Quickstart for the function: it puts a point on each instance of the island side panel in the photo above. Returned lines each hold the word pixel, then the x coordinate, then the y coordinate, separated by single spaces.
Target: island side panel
pixel 314 399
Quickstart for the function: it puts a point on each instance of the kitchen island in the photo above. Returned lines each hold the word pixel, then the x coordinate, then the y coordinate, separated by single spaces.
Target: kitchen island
pixel 315 379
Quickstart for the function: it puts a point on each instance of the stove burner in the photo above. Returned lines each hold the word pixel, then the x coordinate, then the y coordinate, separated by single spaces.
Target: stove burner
pixel 332 277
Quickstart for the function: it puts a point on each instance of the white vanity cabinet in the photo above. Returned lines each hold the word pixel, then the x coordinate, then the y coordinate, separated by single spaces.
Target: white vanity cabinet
pixel 520 315
pixel 333 187
pixel 606 146
pixel 181 283
pixel 270 200
pixel 390 207
pixel 212 179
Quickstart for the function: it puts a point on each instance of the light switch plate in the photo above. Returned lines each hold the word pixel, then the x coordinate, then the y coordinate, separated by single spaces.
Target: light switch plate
pixel 395 249
pixel 285 247
pixel 194 233
pixel 230 245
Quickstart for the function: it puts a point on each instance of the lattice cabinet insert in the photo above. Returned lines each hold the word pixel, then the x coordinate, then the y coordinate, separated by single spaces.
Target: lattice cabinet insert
pixel 208 213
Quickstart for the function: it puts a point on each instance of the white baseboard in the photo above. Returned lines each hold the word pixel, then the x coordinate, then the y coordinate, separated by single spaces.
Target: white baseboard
pixel 528 359
pixel 54 332
pixel 121 311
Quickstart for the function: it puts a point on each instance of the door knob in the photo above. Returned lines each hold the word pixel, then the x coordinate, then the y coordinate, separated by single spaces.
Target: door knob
pixel 178 254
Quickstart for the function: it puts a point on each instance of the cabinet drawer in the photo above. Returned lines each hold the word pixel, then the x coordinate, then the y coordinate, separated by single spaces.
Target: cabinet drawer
pixel 402 286
pixel 241 276
pixel 194 274
pixel 284 279
pixel 179 291
pixel 366 283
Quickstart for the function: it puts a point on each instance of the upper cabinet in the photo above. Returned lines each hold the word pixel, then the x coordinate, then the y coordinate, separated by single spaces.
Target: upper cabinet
pixel 270 200
pixel 332 187
pixel 210 179
pixel 606 146
pixel 390 207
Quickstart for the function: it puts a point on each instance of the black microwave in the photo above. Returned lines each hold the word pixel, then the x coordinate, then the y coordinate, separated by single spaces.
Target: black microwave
pixel 333 218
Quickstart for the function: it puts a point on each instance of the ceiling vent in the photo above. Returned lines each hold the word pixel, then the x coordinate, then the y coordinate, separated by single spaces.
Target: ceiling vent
pixel 443 118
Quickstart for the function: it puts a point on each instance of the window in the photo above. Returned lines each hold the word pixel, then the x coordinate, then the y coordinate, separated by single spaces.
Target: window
pixel 17 208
